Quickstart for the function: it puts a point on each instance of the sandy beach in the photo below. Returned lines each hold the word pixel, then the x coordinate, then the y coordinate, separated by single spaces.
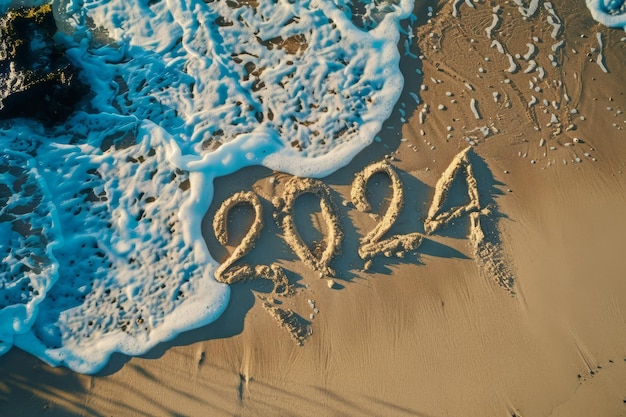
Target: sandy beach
pixel 527 320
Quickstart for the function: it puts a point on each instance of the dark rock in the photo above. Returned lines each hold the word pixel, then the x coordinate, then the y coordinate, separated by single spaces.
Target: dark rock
pixel 36 78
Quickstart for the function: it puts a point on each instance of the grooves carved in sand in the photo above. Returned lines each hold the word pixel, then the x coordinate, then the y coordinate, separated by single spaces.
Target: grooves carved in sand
pixel 285 216
pixel 437 218
pixel 243 272
pixel 285 318
pixel 486 247
pixel 371 244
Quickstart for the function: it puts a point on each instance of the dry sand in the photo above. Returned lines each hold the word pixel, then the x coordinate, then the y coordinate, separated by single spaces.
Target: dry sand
pixel 434 331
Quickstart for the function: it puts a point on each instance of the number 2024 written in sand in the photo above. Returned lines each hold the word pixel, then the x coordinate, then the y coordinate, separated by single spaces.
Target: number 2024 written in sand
pixel 371 245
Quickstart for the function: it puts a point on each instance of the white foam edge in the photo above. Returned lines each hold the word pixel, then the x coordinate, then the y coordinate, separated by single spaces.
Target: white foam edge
pixel 186 317
pixel 601 16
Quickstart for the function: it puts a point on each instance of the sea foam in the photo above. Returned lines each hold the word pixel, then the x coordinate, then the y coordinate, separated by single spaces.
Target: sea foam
pixel 100 238
pixel 610 13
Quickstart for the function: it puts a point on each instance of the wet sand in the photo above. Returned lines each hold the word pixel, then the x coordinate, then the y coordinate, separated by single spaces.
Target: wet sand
pixel 522 317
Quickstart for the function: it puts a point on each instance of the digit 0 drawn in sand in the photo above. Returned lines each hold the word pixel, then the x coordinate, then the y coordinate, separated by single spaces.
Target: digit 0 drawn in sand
pixel 486 246
pixel 371 244
pixel 285 216
pixel 286 318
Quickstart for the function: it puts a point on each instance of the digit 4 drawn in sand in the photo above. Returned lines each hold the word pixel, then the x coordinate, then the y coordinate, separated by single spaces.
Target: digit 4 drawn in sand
pixel 371 244
pixel 438 218
pixel 486 247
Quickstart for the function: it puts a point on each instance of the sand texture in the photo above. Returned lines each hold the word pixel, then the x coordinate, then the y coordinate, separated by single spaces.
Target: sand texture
pixel 475 250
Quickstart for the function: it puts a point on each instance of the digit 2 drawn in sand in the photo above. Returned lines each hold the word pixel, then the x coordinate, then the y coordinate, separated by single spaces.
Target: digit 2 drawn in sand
pixel 371 244
pixel 245 272
pixel 286 318
pixel 284 214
